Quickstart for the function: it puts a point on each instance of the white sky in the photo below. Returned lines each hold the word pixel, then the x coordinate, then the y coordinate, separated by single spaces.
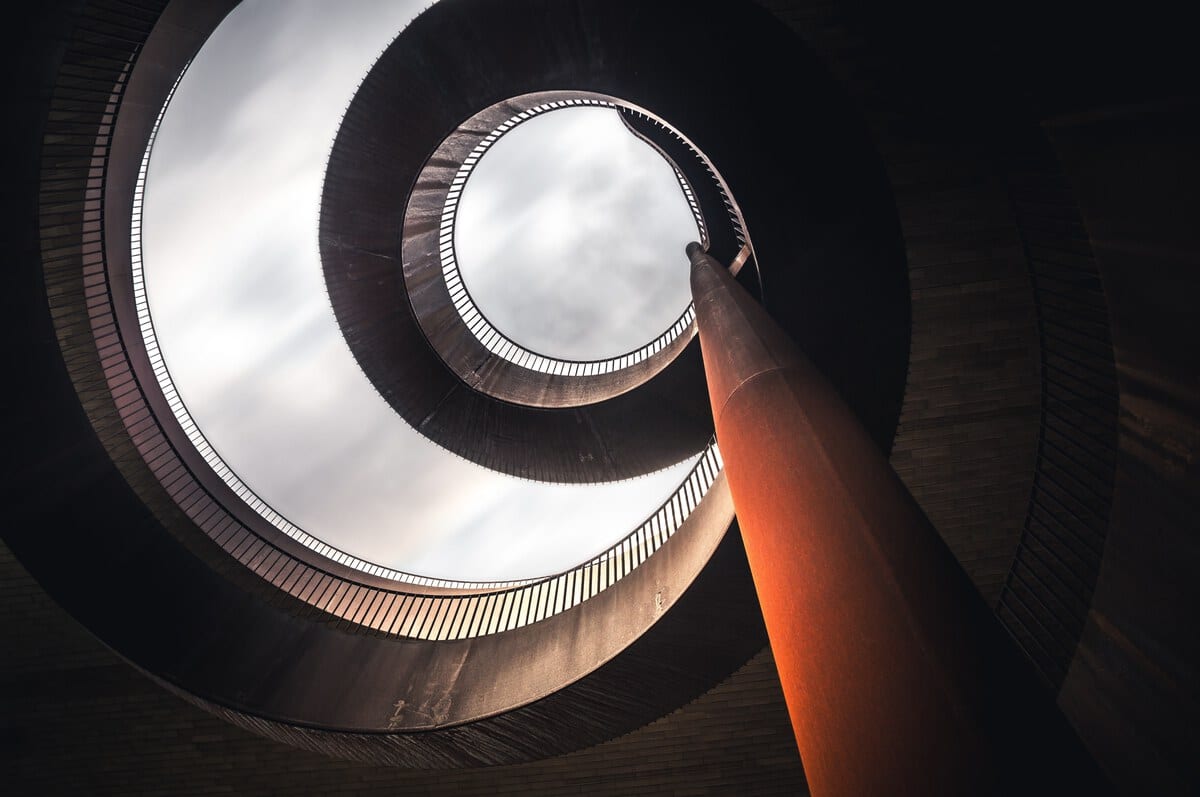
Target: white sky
pixel 570 236
pixel 240 309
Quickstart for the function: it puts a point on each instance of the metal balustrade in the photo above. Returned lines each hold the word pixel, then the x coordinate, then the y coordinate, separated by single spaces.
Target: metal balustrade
pixel 732 212
pixel 76 274
pixel 493 339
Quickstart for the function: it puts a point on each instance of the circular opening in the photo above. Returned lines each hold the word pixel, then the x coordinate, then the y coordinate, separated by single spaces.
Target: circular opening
pixel 569 235
pixel 573 238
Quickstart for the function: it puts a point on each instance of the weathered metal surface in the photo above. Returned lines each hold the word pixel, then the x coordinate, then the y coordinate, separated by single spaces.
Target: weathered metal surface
pixel 898 677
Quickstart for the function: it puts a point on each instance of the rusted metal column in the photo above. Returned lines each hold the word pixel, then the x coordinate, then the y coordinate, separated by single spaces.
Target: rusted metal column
pixel 898 678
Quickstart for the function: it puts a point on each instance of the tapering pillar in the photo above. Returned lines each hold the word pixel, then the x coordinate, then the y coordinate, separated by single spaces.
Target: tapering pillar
pixel 898 678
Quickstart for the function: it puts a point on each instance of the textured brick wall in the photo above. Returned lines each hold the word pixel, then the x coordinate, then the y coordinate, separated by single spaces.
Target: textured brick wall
pixel 968 428
pixel 1134 687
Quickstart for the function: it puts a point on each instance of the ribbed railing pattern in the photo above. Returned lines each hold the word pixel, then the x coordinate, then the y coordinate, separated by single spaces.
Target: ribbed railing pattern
pixel 75 160
pixel 1045 599
pixel 493 339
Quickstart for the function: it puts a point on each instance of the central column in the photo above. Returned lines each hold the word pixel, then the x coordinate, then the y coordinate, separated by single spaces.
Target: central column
pixel 898 678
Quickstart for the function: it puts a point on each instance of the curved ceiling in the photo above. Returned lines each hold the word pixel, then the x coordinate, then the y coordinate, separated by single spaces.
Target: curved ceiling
pixel 665 631
pixel 964 447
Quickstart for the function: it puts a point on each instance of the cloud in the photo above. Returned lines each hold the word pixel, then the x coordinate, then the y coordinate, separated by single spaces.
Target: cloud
pixel 240 309
pixel 570 236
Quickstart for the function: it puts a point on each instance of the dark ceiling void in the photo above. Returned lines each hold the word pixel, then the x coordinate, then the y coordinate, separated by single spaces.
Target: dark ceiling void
pixel 1035 166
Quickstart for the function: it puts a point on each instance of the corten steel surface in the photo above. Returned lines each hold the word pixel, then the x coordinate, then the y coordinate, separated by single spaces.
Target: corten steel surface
pixel 898 678
pixel 794 155
pixel 991 224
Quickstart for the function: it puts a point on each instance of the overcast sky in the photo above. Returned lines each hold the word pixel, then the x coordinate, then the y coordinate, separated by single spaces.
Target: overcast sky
pixel 239 305
pixel 570 234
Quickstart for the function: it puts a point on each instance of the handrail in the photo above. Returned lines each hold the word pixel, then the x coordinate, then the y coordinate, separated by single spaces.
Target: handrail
pixel 478 323
pixel 483 607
